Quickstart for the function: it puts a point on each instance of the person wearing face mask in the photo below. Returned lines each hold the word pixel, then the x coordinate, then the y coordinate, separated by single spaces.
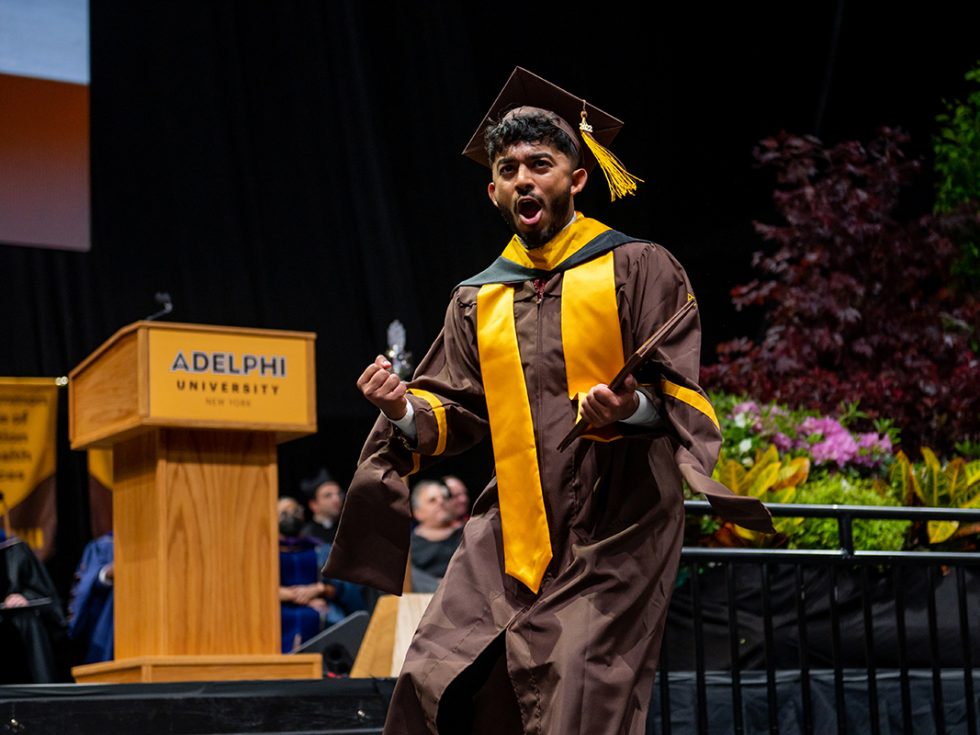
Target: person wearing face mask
pixel 308 603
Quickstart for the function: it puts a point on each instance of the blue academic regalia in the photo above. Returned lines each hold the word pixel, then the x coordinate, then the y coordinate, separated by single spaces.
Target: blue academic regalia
pixel 300 561
pixel 91 605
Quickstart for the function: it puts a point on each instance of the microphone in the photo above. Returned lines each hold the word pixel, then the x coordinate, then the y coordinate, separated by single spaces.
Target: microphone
pixel 167 304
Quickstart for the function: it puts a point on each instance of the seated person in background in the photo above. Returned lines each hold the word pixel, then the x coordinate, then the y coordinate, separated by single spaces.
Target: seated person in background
pixel 308 602
pixel 459 499
pixel 90 608
pixel 31 620
pixel 436 536
pixel 324 499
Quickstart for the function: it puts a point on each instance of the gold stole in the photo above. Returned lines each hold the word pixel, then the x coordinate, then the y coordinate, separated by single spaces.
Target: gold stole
pixel 593 352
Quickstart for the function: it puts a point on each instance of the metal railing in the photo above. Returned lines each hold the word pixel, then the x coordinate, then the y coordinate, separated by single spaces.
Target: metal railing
pixel 845 560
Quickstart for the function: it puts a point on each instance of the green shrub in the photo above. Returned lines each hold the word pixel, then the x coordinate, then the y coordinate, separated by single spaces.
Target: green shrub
pixel 821 533
pixel 957 149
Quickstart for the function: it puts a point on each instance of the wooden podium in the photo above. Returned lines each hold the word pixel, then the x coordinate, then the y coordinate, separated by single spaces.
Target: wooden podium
pixel 193 415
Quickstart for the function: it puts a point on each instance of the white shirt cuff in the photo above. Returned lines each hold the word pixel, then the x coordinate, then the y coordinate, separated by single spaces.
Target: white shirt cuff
pixel 645 414
pixel 406 424
pixel 104 577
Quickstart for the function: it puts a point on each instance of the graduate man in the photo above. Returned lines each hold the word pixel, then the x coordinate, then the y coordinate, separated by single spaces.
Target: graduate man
pixel 550 617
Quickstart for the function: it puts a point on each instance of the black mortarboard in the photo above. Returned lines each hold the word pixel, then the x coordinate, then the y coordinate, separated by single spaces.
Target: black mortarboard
pixel 309 485
pixel 525 91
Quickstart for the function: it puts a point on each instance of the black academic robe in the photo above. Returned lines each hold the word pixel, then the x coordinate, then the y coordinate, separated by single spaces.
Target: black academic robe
pixel 27 633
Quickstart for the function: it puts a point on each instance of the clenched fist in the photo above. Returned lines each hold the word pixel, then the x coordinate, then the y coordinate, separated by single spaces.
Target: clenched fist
pixel 602 406
pixel 383 388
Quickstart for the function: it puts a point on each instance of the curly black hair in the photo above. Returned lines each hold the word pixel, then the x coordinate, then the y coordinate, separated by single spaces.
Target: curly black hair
pixel 531 127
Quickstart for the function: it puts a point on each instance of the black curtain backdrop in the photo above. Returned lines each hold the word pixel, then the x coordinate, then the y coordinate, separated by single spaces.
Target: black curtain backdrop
pixel 296 165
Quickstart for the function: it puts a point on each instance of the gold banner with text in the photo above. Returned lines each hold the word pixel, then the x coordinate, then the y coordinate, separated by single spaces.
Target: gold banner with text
pixel 28 458
pixel 100 491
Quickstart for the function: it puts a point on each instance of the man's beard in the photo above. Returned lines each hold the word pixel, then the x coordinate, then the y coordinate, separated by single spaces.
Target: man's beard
pixel 539 237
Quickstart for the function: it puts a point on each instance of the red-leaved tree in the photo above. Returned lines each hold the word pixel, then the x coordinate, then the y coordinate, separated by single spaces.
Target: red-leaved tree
pixel 858 303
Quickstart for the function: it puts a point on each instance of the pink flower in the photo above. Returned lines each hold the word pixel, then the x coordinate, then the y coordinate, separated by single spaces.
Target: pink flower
pixel 827 441
pixel 823 425
pixel 839 448
pixel 783 443
pixel 749 407
pixel 872 448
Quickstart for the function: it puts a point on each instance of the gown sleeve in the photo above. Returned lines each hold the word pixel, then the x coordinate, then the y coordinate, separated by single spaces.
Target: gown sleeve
pixel 372 542
pixel 89 594
pixel 658 288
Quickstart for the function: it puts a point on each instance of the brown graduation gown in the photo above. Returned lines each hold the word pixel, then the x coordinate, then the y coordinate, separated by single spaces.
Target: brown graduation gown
pixel 581 654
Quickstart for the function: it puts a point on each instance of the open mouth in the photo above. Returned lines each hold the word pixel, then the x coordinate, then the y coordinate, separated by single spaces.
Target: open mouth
pixel 529 211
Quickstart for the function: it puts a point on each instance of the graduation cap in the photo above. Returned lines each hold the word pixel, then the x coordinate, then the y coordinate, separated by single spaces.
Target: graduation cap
pixel 309 485
pixel 589 128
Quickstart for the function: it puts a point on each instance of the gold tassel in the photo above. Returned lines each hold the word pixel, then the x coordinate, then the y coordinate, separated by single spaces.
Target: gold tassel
pixel 621 182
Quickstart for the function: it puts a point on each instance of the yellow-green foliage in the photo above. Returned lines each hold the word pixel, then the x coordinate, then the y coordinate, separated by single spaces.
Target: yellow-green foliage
pixel 822 533
pixel 955 485
pixel 771 479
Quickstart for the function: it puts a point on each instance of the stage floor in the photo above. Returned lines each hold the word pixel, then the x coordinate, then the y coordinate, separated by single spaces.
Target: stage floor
pixel 324 707
pixel 358 706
